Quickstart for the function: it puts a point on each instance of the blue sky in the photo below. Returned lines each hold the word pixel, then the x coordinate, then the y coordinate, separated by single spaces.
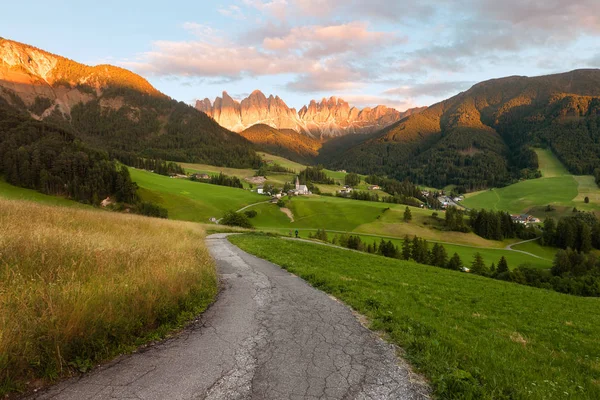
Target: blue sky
pixel 397 53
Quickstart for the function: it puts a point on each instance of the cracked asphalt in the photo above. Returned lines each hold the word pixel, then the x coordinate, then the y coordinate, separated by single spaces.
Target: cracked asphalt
pixel 269 335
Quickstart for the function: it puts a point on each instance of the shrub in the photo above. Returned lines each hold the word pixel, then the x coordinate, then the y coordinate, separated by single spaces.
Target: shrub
pixel 251 213
pixel 233 218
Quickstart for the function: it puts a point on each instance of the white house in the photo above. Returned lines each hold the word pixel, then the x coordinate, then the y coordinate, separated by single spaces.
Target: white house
pixel 260 190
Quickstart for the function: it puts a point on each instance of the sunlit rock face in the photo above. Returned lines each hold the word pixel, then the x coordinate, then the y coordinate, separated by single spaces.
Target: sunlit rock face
pixel 327 118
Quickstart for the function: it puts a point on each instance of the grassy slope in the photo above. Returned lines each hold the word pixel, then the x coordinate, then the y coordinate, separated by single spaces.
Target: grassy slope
pixel 473 337
pixel 191 201
pixel 331 213
pixel 556 187
pixel 8 191
pixel 79 286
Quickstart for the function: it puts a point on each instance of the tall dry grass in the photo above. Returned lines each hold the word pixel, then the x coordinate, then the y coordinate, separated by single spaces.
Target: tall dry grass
pixel 77 286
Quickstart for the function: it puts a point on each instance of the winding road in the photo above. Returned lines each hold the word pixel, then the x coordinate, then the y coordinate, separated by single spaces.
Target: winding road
pixel 269 335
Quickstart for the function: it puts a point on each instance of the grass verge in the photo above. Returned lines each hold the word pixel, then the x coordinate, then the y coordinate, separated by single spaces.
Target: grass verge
pixel 79 286
pixel 473 337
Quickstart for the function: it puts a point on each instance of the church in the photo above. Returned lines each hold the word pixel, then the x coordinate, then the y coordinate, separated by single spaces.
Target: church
pixel 300 189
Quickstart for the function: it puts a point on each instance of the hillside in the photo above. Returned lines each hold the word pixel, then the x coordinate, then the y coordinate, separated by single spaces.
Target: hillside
pixel 283 142
pixel 483 137
pixel 113 109
pixel 473 337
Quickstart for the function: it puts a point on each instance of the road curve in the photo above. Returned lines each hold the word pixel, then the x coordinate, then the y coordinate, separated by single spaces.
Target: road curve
pixel 269 335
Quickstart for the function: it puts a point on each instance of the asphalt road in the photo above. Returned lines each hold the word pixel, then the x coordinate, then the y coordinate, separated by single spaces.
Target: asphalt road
pixel 269 335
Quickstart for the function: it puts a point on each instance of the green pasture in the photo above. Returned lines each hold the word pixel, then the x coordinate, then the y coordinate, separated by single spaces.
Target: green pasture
pixel 472 337
pixel 8 191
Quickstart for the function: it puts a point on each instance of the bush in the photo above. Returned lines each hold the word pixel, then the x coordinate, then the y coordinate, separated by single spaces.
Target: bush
pixel 151 210
pixel 280 203
pixel 251 213
pixel 233 218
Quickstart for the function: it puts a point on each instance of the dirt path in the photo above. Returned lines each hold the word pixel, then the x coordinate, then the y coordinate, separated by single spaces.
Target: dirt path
pixel 269 335
pixel 288 212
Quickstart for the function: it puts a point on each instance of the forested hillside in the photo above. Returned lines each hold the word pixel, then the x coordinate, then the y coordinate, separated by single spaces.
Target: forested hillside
pixel 40 156
pixel 483 137
pixel 286 143
pixel 113 109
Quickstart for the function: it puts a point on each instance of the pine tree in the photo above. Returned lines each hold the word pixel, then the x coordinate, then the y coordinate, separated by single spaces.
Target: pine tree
pixel 585 238
pixel 455 262
pixel 407 215
pixel 406 248
pixel 502 265
pixel 478 265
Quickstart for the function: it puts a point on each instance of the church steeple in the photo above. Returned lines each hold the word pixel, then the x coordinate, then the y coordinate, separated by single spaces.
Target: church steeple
pixel 297 183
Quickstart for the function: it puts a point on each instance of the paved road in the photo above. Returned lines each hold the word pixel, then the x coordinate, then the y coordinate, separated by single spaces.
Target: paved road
pixel 269 335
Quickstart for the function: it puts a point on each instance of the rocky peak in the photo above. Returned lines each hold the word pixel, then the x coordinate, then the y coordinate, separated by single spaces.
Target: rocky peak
pixel 328 117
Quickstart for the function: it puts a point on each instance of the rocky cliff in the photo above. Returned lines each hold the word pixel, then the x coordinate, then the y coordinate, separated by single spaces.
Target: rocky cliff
pixel 328 118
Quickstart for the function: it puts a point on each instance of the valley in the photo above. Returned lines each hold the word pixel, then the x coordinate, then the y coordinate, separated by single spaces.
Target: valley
pixel 467 233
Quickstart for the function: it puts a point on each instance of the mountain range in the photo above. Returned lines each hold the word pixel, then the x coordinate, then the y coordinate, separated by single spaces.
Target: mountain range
pixel 479 138
pixel 484 137
pixel 321 120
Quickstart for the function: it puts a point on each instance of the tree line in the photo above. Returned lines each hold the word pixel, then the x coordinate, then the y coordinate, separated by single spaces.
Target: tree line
pixel 579 232
pixel 315 175
pixel 157 166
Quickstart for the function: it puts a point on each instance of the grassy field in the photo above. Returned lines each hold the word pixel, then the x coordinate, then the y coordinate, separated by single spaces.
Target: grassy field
pixel 80 286
pixel 335 214
pixel 473 337
pixel 556 187
pixel 191 201
pixel 8 191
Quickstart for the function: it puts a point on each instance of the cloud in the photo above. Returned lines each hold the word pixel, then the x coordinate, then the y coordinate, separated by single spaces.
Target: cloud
pixel 322 57
pixel 232 11
pixel 432 89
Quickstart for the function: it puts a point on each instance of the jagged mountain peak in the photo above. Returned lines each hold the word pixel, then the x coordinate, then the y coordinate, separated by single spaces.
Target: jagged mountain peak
pixel 331 116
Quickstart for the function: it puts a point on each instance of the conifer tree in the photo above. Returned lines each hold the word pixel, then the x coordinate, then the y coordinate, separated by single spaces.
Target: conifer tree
pixel 407 215
pixel 502 265
pixel 406 248
pixel 455 262
pixel 478 265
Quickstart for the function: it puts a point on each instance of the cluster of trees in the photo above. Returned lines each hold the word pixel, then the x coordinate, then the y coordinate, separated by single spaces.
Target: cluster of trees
pixel 359 195
pixel 573 272
pixel 157 166
pixel 579 232
pixel 498 225
pixel 49 159
pixel 265 169
pixel 315 175
pixel 352 179
pixel 395 187
pixel 232 218
pixel 489 224
pixel 223 180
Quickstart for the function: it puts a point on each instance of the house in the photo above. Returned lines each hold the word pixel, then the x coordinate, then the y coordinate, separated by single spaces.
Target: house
pixel 374 187
pixel 277 196
pixel 201 176
pixel 300 189
pixel 260 190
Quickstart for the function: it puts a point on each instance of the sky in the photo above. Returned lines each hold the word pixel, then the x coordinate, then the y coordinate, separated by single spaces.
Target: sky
pixel 398 53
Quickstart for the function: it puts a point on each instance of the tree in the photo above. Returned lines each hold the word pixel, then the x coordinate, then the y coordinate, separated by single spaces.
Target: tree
pixel 502 266
pixel 407 215
pixel 439 257
pixel 585 238
pixel 352 179
pixel 549 234
pixel 251 213
pixel 455 263
pixel 586 200
pixel 478 265
pixel 406 248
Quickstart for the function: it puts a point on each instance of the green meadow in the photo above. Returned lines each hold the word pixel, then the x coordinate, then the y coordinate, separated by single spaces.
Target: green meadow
pixel 556 187
pixel 472 337
pixel 191 201
pixel 374 221
pixel 10 192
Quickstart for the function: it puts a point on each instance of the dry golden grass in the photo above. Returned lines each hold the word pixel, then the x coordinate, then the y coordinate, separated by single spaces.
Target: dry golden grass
pixel 77 286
